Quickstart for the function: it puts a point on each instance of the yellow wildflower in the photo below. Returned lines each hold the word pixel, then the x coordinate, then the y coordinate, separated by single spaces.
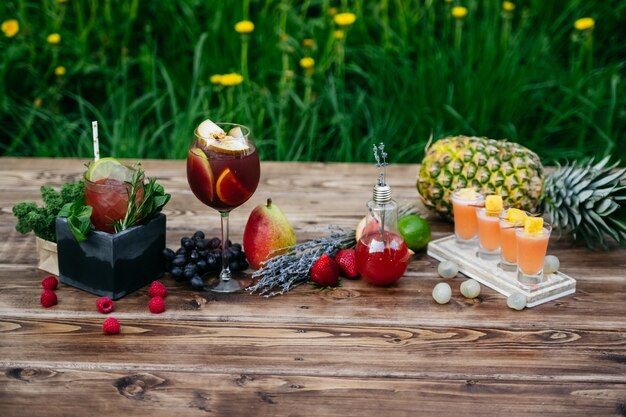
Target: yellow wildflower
pixel 459 12
pixel 332 11
pixel 508 6
pixel 61 1
pixel 308 42
pixel 54 38
pixel 216 79
pixel 307 62
pixel 584 23
pixel 229 80
pixel 10 27
pixel 244 27
pixel 59 71
pixel 37 102
pixel 345 19
pixel 338 34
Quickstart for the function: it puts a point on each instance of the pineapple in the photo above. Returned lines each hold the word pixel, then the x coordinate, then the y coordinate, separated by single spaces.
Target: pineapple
pixel 587 201
pixel 490 166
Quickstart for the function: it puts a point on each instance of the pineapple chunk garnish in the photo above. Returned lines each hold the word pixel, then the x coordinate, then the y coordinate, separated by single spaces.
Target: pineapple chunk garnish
pixel 514 215
pixel 493 203
pixel 467 194
pixel 533 225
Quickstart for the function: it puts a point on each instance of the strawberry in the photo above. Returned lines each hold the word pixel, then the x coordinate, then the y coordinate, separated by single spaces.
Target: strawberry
pixel 346 260
pixel 325 272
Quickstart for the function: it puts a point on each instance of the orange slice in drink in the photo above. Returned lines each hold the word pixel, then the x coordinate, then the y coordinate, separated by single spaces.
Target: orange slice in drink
pixel 229 189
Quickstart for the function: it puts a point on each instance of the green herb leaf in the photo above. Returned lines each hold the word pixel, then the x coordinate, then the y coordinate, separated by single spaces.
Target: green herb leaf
pixel 78 218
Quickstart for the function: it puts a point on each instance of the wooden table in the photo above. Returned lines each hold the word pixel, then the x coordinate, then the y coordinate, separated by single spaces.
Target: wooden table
pixel 355 350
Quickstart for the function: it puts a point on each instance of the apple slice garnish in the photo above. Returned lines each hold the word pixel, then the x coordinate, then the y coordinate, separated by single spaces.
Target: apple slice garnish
pixel 229 145
pixel 199 166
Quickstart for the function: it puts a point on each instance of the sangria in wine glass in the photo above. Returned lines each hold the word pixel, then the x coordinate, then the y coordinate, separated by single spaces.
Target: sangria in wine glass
pixel 223 172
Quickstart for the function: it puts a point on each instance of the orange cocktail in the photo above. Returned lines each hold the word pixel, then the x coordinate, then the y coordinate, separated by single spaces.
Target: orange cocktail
pixel 510 219
pixel 532 246
pixel 464 203
pixel 489 227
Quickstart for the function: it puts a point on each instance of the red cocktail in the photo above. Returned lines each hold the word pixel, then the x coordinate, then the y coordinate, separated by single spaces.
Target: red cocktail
pixel 223 172
pixel 382 262
pixel 222 180
pixel 108 198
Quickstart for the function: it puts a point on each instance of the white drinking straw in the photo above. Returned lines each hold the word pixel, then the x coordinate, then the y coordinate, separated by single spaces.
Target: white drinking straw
pixel 96 145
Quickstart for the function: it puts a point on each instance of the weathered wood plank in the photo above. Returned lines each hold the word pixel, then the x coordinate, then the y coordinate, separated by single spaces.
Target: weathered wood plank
pixel 55 392
pixel 552 354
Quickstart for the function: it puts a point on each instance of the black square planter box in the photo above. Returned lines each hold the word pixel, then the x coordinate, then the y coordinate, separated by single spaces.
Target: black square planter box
pixel 112 265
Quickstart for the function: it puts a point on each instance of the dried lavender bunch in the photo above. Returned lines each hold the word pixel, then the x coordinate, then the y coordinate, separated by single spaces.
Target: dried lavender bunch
pixel 290 269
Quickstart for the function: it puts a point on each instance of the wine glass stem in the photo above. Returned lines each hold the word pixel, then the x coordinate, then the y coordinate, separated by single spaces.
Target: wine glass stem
pixel 225 275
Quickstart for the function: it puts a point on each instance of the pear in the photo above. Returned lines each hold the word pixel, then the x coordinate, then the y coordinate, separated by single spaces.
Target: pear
pixel 267 231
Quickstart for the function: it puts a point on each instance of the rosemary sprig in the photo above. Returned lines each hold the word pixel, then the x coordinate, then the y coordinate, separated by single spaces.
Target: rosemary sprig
pixel 290 269
pixel 154 198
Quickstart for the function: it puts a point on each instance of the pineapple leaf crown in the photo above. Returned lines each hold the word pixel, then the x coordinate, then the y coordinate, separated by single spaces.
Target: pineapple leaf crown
pixel 381 163
pixel 589 201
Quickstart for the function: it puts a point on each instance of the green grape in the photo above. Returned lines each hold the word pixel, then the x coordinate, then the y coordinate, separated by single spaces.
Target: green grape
pixel 516 301
pixel 551 264
pixel 470 288
pixel 442 293
pixel 448 269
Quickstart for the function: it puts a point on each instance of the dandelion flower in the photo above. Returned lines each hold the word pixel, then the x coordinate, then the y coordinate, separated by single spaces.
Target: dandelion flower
pixel 216 79
pixel 37 102
pixel 332 11
pixel 232 79
pixel 585 23
pixel 345 19
pixel 307 62
pixel 59 71
pixel 244 27
pixel 10 27
pixel 54 38
pixel 308 42
pixel 338 34
pixel 459 12
pixel 508 6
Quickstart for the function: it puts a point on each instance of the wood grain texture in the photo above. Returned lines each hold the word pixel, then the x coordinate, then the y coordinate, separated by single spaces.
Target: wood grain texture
pixel 117 392
pixel 357 349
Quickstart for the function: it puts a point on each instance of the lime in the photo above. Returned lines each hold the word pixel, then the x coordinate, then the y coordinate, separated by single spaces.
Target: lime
pixel 108 168
pixel 415 231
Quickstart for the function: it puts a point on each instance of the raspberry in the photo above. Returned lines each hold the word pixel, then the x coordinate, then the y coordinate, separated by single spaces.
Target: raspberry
pixel 48 298
pixel 105 305
pixel 157 289
pixel 111 326
pixel 49 283
pixel 325 272
pixel 156 305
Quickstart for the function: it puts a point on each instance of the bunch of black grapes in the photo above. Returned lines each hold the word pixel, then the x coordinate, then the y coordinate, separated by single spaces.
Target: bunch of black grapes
pixel 198 256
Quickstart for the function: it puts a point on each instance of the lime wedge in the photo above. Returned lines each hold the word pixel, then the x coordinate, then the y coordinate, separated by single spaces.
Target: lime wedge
pixel 108 168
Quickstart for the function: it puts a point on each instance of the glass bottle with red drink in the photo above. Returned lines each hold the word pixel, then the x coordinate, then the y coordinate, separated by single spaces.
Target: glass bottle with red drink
pixel 382 256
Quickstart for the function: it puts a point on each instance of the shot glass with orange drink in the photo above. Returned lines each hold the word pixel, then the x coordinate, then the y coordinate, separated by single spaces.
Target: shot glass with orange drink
pixel 464 204
pixel 488 218
pixel 509 221
pixel 532 245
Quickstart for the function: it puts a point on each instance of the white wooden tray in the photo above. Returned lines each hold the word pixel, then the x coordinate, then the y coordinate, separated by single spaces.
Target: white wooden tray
pixel 557 285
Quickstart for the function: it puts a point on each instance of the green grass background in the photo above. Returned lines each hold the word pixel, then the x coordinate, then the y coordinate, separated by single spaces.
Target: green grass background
pixel 142 69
